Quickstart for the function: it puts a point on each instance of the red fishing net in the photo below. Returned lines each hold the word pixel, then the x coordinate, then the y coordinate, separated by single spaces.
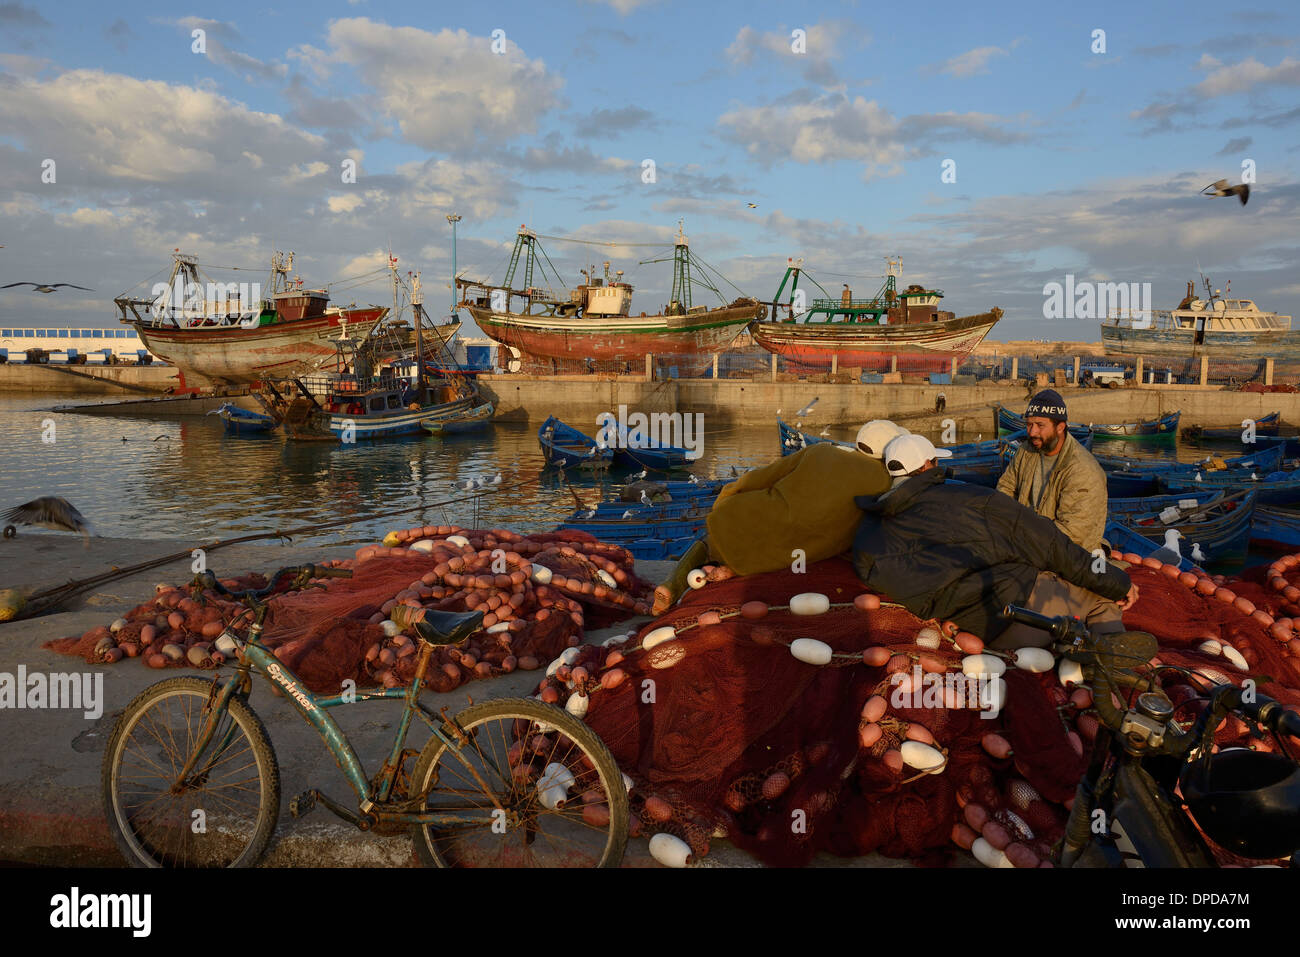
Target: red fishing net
pixel 537 592
pixel 726 732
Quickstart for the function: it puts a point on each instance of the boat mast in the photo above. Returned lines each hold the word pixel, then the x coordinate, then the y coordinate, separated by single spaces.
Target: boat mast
pixel 417 297
pixel 681 295
pixel 453 219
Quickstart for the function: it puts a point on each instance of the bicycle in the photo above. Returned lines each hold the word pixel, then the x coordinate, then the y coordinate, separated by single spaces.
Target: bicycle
pixel 1153 790
pixel 510 782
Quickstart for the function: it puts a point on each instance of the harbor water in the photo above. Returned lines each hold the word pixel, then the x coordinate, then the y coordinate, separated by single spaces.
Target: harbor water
pixel 187 480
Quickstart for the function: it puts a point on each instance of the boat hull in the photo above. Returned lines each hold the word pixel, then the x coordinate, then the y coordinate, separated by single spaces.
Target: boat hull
pixel 627 339
pixel 860 346
pixel 237 356
pixel 479 417
pixel 1181 343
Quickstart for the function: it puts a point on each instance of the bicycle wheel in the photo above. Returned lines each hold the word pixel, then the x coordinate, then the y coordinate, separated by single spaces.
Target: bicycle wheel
pixel 562 798
pixel 226 814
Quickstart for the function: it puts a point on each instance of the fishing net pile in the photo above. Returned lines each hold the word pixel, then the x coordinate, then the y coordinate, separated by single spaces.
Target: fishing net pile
pixel 764 708
pixel 538 592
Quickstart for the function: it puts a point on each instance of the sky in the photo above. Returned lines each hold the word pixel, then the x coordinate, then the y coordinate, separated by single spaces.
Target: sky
pixel 1076 140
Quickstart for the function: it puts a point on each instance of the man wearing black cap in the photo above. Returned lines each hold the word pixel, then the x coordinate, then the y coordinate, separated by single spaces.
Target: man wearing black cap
pixel 1056 476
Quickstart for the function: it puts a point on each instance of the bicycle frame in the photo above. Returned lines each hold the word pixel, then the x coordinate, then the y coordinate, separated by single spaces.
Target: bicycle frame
pixel 313 709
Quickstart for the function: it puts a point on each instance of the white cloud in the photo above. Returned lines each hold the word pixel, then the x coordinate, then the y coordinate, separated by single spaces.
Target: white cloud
pixel 1249 73
pixel 216 35
pixel 972 62
pixel 446 91
pixel 345 203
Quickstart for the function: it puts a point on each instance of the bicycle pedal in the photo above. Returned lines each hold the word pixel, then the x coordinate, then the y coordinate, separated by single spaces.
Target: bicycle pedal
pixel 303 804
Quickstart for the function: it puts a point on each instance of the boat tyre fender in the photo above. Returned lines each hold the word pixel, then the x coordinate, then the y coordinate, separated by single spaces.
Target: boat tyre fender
pixel 10 531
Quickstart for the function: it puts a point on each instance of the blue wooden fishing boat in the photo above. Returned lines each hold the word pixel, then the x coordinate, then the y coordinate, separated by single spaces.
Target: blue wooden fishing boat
pixel 1266 425
pixel 1164 428
pixel 1221 526
pixel 636 450
pixel 1126 540
pixel 621 530
pixel 459 420
pixel 564 447
pixel 1266 457
pixel 1276 528
pixel 1152 504
pixel 1272 488
pixel 239 421
pixel 654 549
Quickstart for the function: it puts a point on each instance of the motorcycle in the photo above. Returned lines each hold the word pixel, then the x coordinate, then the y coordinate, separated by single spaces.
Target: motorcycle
pixel 1154 788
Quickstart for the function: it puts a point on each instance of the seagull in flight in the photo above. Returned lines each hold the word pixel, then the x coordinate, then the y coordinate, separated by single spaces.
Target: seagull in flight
pixel 48 512
pixel 824 433
pixel 807 409
pixel 752 205
pixel 45 288
pixel 1221 188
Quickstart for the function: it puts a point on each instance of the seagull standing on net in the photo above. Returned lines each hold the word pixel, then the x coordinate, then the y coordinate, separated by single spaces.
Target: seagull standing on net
pixel 1170 554
pixel 47 512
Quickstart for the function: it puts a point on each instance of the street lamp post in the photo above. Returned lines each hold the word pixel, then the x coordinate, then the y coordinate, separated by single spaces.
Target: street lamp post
pixel 453 219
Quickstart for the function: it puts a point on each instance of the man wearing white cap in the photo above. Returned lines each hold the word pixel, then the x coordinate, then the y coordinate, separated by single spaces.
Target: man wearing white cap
pixel 804 502
pixel 961 552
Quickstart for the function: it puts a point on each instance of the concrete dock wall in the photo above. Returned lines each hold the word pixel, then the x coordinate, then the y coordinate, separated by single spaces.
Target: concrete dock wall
pixel 57 378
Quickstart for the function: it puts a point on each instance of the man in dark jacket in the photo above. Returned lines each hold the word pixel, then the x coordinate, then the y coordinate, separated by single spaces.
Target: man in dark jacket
pixel 961 552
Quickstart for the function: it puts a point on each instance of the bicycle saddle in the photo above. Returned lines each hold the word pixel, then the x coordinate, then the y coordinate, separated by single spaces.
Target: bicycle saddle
pixel 448 627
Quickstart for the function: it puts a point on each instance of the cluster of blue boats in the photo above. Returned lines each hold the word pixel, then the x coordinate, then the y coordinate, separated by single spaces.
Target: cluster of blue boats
pixel 1219 507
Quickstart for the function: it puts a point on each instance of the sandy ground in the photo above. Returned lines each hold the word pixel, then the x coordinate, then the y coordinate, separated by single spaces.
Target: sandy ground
pixel 50 797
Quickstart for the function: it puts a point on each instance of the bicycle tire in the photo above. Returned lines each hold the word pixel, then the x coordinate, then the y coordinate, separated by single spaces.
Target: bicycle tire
pixel 587 757
pixel 175 839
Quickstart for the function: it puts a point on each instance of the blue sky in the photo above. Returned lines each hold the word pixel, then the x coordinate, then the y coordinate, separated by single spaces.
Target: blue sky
pixel 1067 160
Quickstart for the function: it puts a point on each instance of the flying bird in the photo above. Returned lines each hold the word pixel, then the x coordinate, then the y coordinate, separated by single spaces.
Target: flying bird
pixel 1221 188
pixel 41 287
pixel 48 512
pixel 752 205
pixel 807 409
pixel 825 432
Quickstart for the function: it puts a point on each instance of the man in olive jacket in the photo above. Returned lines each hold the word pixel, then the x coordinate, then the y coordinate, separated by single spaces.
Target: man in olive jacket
pixel 1056 476
pixel 959 552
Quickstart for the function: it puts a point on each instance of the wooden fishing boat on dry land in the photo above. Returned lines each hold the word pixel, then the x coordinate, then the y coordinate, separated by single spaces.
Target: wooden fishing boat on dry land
pixel 853 333
pixel 235 333
pixel 591 328
pixel 1213 326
